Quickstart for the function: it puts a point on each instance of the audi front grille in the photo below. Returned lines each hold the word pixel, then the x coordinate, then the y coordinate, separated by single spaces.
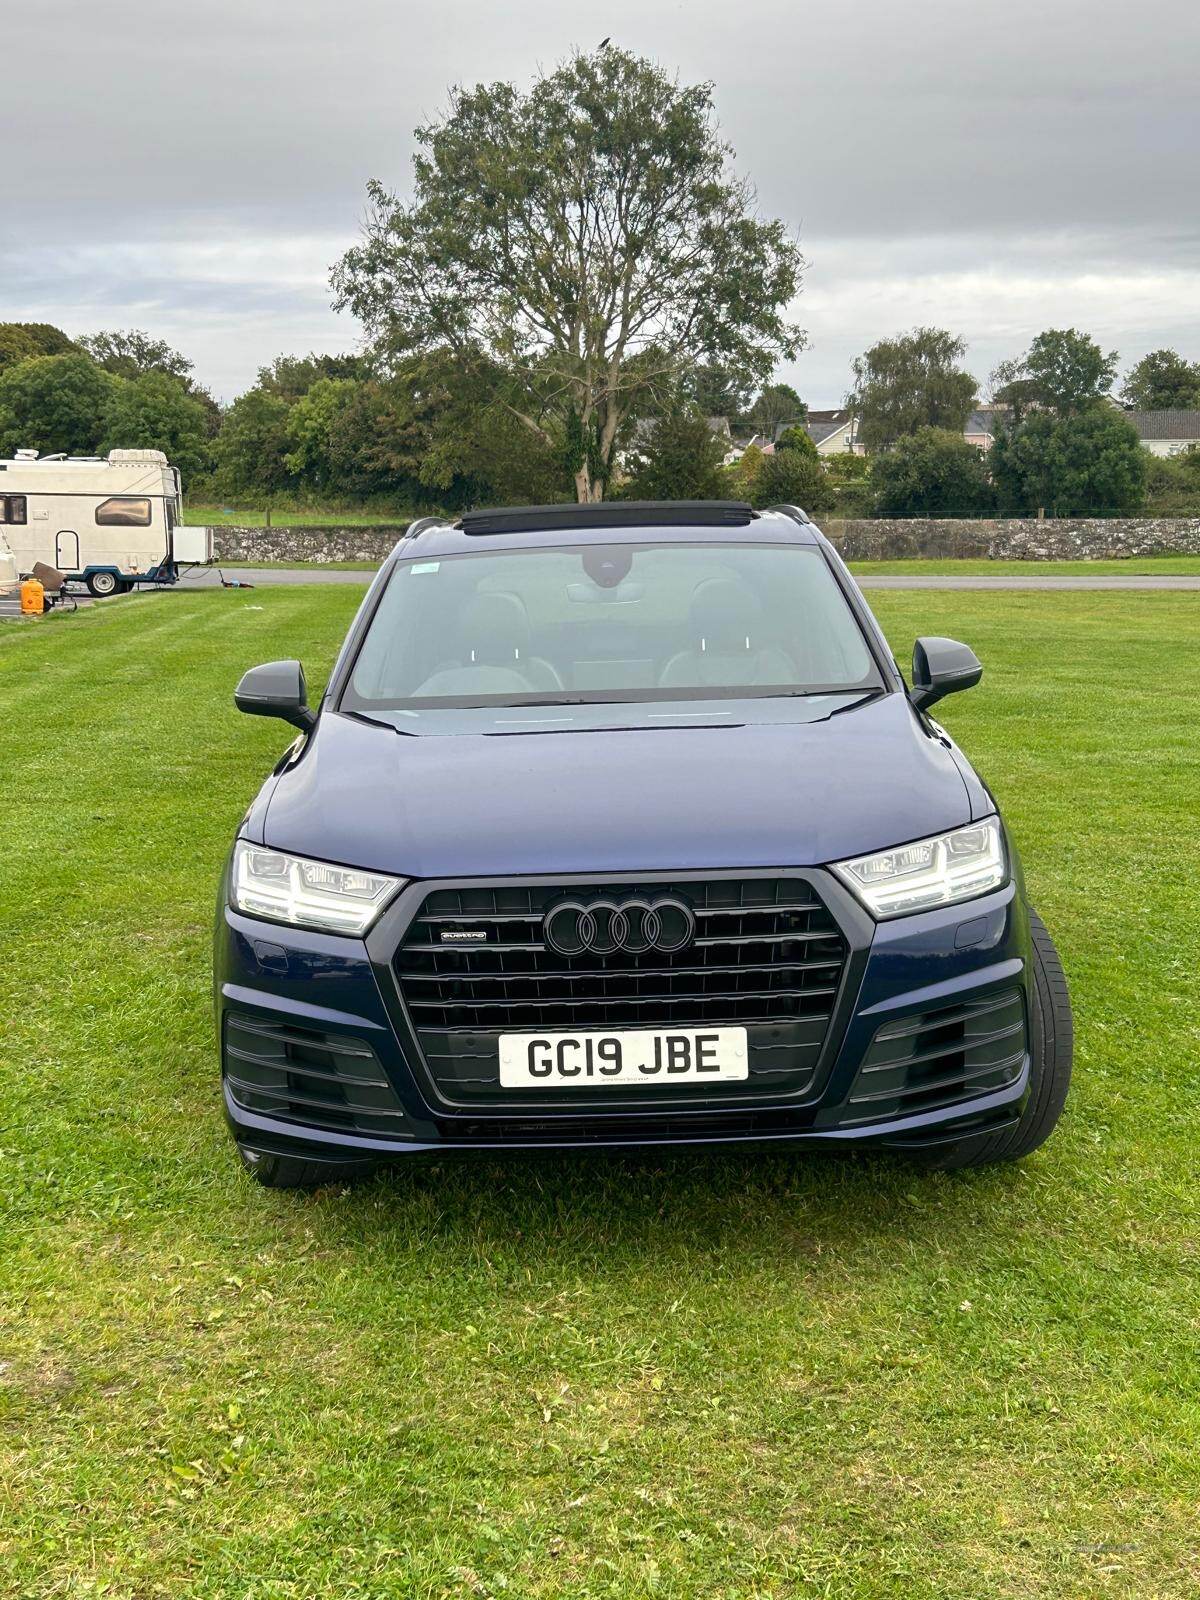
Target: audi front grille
pixel 763 953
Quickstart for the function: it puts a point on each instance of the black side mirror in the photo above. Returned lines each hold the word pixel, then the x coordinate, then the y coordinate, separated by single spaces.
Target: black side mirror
pixel 276 689
pixel 941 667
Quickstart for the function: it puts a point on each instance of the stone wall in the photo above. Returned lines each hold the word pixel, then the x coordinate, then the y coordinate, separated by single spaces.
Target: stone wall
pixel 1054 539
pixel 368 545
pixel 1014 539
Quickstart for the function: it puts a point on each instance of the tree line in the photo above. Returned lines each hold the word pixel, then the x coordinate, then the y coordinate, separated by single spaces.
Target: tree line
pixel 338 430
pixel 576 280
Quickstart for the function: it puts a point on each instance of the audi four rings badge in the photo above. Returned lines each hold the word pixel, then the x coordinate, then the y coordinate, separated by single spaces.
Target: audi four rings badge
pixel 600 927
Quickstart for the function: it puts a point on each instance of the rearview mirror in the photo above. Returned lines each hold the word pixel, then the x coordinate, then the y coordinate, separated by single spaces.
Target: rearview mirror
pixel 941 667
pixel 276 689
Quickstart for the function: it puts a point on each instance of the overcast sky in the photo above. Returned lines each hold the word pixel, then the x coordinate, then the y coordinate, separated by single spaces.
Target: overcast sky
pixel 194 167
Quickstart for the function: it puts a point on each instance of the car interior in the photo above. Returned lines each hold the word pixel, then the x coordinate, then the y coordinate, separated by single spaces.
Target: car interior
pixel 572 623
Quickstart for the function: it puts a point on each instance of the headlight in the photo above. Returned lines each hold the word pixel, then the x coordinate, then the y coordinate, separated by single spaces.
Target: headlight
pixel 308 894
pixel 933 872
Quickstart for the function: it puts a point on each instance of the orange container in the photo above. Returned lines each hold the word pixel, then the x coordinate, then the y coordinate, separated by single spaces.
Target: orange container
pixel 33 598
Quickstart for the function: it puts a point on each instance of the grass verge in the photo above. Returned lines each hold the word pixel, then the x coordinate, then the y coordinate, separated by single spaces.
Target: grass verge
pixel 1134 566
pixel 219 516
pixel 686 1375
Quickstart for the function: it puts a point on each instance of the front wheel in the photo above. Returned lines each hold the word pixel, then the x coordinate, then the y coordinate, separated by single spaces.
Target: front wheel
pixel 1050 1048
pixel 102 584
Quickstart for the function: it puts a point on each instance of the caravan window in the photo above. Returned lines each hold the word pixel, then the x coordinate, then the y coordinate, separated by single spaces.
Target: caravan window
pixel 123 513
pixel 12 508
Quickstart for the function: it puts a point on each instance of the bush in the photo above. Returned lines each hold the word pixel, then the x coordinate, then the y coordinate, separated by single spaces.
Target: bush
pixel 679 460
pixel 797 439
pixel 792 478
pixel 930 473
pixel 1173 484
pixel 849 479
pixel 1088 463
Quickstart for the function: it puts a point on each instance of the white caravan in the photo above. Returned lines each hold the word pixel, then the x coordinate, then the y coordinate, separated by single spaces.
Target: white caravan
pixel 110 521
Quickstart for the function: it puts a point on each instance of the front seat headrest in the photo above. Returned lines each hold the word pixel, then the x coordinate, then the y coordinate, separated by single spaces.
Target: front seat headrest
pixel 724 614
pixel 494 629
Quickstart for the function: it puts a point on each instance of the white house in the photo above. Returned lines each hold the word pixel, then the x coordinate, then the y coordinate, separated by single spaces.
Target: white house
pixel 833 432
pixel 1166 433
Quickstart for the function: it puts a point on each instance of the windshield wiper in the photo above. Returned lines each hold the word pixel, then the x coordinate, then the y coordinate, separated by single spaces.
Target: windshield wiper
pixel 555 700
pixel 372 722
pixel 860 700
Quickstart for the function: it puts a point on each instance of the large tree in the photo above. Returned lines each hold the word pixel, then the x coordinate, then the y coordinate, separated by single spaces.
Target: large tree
pixel 586 237
pixel 157 412
pixel 1163 381
pixel 718 390
pixel 1063 371
pixel 15 345
pixel 54 403
pixel 776 403
pixel 291 377
pixel 912 381
pixel 130 353
pixel 21 341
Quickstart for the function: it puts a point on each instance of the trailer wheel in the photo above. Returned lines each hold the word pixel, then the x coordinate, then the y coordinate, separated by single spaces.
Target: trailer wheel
pixel 102 584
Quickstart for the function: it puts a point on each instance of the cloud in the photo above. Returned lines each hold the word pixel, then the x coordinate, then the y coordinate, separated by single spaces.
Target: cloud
pixel 997 292
pixel 201 167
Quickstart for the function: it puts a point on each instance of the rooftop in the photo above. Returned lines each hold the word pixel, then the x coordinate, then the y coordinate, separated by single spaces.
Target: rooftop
pixel 1182 425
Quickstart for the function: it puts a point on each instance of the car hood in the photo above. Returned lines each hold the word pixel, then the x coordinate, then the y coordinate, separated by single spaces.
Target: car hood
pixel 615 800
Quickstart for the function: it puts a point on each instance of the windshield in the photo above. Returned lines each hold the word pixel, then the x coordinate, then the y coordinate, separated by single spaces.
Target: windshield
pixel 599 624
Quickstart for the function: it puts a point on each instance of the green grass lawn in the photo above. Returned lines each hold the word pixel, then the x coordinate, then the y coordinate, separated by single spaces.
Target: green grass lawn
pixel 1134 566
pixel 1160 566
pixel 713 1377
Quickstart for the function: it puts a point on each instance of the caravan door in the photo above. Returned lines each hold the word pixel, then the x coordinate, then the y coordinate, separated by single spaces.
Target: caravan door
pixel 66 550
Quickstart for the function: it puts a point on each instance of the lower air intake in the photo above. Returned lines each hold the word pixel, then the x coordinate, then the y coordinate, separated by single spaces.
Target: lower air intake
pixel 321 1080
pixel 940 1058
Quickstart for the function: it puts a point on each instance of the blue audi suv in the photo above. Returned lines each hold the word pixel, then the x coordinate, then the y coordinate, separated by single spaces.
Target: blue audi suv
pixel 619 825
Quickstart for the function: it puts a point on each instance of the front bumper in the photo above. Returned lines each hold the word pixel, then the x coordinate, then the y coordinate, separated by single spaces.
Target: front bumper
pixel 927 1042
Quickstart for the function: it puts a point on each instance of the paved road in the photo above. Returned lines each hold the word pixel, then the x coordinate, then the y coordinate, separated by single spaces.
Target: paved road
pixel 10 604
pixel 208 578
pixel 269 575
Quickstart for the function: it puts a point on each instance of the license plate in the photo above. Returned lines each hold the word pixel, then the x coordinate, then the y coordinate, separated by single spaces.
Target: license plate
pixel 632 1055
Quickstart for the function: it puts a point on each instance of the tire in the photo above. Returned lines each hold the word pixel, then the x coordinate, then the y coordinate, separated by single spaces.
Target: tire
pixel 102 584
pixel 1050 1070
pixel 289 1172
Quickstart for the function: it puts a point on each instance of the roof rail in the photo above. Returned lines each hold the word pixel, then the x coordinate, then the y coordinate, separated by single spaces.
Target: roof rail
pixel 797 513
pixel 611 514
pixel 421 524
